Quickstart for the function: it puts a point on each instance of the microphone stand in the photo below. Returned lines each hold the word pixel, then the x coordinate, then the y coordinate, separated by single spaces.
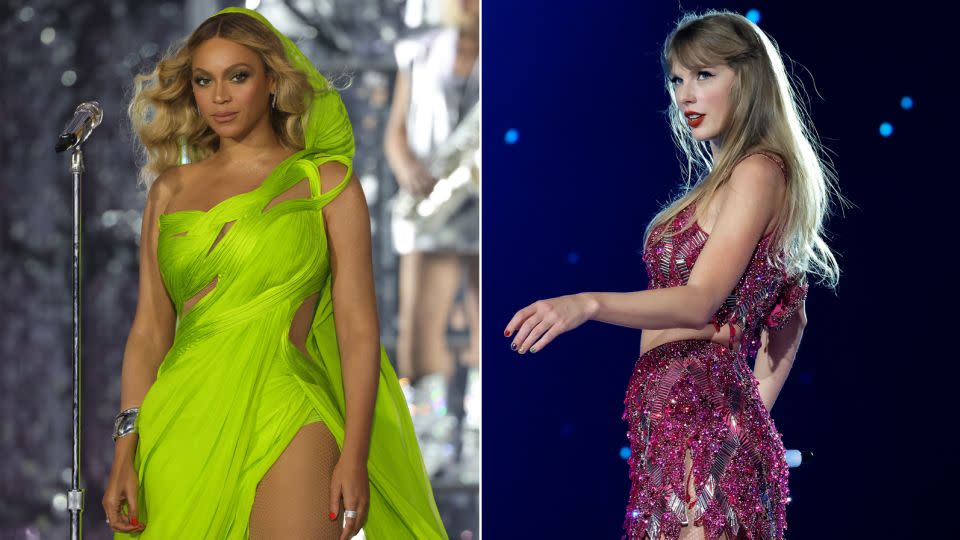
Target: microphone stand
pixel 86 118
pixel 75 495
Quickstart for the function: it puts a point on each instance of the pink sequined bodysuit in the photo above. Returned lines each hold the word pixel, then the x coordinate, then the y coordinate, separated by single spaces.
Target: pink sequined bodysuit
pixel 700 395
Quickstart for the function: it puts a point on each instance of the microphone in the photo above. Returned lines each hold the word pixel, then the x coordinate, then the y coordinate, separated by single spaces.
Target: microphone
pixel 796 457
pixel 85 118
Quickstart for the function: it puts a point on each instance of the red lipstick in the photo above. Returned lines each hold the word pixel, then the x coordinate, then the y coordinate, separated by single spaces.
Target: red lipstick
pixel 694 122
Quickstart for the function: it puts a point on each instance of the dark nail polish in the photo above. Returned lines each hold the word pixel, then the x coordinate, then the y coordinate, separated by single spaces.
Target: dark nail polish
pixel 533 349
pixel 513 346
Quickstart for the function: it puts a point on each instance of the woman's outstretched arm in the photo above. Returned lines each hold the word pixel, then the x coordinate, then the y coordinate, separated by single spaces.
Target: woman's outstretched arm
pixel 755 189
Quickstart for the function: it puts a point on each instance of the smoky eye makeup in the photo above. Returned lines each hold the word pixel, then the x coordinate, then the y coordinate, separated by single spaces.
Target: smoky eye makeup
pixel 240 76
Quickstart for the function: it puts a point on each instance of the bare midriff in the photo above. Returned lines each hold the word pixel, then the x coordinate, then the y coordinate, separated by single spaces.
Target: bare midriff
pixel 653 338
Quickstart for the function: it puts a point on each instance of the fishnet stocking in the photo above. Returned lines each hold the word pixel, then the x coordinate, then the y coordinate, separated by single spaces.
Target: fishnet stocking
pixel 293 498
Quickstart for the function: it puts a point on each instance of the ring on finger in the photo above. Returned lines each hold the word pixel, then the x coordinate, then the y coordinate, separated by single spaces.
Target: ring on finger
pixel 350 513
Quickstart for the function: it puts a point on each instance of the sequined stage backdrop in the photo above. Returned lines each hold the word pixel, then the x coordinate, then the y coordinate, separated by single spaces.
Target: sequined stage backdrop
pixel 580 149
pixel 56 54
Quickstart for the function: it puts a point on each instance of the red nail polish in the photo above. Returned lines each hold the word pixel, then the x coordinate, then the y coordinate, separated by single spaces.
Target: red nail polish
pixel 133 520
pixel 332 516
pixel 506 333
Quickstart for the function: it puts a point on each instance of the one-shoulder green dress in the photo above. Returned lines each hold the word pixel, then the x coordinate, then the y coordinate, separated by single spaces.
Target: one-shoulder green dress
pixel 233 390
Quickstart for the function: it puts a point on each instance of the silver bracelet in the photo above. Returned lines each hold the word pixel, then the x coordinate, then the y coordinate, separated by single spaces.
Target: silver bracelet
pixel 125 422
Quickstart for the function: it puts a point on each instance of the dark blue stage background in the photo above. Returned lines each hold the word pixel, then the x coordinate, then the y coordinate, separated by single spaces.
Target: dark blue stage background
pixel 565 208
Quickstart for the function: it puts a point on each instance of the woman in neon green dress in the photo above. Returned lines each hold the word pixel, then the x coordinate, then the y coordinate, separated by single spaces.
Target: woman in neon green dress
pixel 264 405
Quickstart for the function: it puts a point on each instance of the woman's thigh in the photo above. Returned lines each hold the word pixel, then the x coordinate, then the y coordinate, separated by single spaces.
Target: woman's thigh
pixel 440 275
pixel 694 531
pixel 428 286
pixel 293 498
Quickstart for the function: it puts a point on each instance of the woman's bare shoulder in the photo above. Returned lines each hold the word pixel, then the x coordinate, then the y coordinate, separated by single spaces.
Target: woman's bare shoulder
pixel 769 157
pixel 174 179
pixel 170 183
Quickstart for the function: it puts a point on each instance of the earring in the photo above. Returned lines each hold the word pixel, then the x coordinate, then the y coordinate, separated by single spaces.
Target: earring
pixel 198 109
pixel 274 101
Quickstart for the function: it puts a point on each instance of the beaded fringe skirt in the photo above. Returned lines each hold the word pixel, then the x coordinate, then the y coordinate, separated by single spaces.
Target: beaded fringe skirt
pixel 700 396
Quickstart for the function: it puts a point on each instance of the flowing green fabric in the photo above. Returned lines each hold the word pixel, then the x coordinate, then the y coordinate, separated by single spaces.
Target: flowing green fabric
pixel 233 390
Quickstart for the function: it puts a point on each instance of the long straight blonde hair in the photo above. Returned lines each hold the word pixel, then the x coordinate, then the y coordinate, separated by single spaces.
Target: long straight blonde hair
pixel 764 116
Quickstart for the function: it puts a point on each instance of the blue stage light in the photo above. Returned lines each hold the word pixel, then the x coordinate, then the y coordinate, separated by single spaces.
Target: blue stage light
pixel 754 16
pixel 906 102
pixel 573 257
pixel 625 452
pixel 886 129
pixel 794 459
pixel 511 136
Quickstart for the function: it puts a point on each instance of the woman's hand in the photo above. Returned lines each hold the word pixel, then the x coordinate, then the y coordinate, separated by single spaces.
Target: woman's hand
pixel 537 324
pixel 351 483
pixel 122 486
pixel 416 179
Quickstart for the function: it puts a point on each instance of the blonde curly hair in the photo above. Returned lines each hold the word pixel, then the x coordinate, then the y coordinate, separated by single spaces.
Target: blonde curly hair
pixel 163 112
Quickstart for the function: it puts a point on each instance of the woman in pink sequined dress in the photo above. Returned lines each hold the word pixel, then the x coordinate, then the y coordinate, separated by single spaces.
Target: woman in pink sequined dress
pixel 727 263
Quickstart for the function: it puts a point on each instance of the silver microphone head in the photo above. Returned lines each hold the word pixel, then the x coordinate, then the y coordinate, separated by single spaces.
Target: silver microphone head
pixel 86 117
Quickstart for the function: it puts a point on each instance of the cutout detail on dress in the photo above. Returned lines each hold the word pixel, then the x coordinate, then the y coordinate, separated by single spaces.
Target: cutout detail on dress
pixel 300 325
pixel 300 190
pixel 223 231
pixel 188 305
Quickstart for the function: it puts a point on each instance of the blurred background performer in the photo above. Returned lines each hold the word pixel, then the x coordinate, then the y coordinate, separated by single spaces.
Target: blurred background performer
pixel 432 145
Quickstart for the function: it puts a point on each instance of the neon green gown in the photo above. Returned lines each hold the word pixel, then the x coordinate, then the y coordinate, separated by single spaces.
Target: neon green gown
pixel 233 390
